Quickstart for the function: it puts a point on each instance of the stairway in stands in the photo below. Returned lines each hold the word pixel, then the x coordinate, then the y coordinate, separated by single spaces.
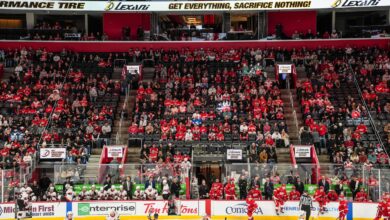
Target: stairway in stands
pixel 133 155
pixel 289 109
pixel 134 149
pixel 120 131
pixel 92 172
pixel 324 158
pixel 283 154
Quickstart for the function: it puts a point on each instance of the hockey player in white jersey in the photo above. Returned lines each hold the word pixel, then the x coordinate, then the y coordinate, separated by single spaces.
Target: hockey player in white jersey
pixel 122 193
pixel 26 188
pixel 103 195
pixel 112 193
pixel 166 192
pixel 70 194
pixel 51 195
pixel 139 194
pixel 83 195
pixel 69 216
pixel 151 194
pixel 113 215
pixel 93 194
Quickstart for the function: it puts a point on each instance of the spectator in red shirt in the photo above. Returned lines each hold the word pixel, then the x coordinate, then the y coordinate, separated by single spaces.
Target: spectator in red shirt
pixel 322 131
pixel 133 129
pixel 362 128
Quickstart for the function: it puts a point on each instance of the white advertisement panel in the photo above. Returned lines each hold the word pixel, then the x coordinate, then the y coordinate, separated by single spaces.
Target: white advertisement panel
pixel 166 6
pixel 7 211
pixel 284 68
pixel 133 69
pixel 52 153
pixel 364 210
pixel 136 208
pixel 302 151
pixel 267 208
pixel 114 151
pixel 49 209
pixel 234 154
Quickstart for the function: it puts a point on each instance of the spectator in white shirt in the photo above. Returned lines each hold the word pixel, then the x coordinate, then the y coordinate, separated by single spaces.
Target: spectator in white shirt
pixel 89 129
pixel 55 96
pixel 18 69
pixel 212 90
pixel 27 158
pixel 93 94
pixel 196 115
pixel 276 135
pixel 243 128
pixel 188 136
pixel 106 129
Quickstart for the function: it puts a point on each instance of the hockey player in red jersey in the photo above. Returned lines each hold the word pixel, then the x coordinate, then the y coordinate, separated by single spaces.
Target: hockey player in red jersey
pixel 217 184
pixel 215 192
pixel 255 193
pixel 386 208
pixel 280 196
pixel 361 196
pixel 383 207
pixel 332 196
pixel 321 198
pixel 294 194
pixel 343 207
pixel 230 190
pixel 252 206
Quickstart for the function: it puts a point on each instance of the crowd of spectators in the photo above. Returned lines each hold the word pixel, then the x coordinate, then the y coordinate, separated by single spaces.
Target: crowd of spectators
pixel 48 26
pixel 49 101
pixel 372 73
pixel 338 125
pixel 63 35
pixel 53 31
pixel 297 35
pixel 207 96
pixel 202 95
pixel 335 119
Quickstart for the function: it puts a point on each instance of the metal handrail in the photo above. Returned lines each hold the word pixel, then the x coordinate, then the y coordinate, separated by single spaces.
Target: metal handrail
pixel 296 124
pixel 119 134
pixel 295 115
pixel 371 120
pixel 291 100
